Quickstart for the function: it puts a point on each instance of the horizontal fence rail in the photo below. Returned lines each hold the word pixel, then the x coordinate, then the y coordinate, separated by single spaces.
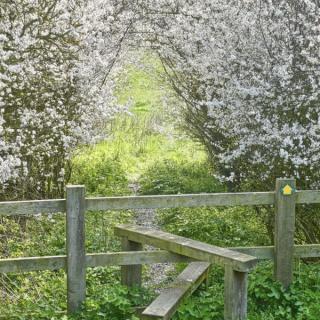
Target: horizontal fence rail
pixel 28 264
pixel 20 265
pixel 237 261
pixel 185 200
pixel 33 207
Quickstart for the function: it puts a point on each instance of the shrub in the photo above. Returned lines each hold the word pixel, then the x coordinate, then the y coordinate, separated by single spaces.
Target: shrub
pixel 113 303
pixel 203 305
pixel 299 302
pixel 43 296
pixel 268 300
pixel 101 174
pixel 222 227
pixel 172 177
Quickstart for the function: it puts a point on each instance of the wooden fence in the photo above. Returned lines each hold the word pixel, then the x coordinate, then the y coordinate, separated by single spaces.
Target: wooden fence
pixel 174 249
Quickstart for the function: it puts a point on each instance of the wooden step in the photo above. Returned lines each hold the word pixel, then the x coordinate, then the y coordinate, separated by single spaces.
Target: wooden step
pixel 169 300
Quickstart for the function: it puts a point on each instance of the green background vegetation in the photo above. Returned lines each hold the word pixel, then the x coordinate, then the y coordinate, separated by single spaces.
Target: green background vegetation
pixel 147 154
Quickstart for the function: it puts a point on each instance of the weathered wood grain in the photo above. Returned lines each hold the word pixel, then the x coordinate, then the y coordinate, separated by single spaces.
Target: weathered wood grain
pixel 187 247
pixel 76 255
pixel 134 258
pixel 184 200
pixel 284 232
pixel 20 265
pixel 131 275
pixel 12 208
pixel 261 253
pixel 15 208
pixel 307 251
pixel 235 294
pixel 307 196
pixel 167 303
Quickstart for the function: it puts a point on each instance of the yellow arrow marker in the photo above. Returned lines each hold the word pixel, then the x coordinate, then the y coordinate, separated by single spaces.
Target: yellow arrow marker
pixel 287 190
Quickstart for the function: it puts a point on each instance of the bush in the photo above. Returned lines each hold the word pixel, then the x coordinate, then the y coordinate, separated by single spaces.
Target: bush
pixel 222 227
pixel 268 300
pixel 172 177
pixel 114 303
pixel 203 305
pixel 299 302
pixel 43 296
pixel 101 174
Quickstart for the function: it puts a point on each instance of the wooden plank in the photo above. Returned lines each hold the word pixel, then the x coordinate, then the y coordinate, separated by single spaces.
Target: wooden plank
pixel 183 200
pixel 307 251
pixel 308 196
pixel 235 294
pixel 16 208
pixel 133 258
pixel 20 265
pixel 13 208
pixel 261 253
pixel 267 252
pixel 284 232
pixel 76 256
pixel 187 247
pixel 167 303
pixel 131 275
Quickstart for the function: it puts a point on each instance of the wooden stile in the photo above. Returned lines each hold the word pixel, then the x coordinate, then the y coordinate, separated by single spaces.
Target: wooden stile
pixel 237 261
pixel 167 303
pixel 187 247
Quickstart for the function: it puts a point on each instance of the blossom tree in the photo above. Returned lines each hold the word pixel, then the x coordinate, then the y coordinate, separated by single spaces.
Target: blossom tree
pixel 249 74
pixel 57 69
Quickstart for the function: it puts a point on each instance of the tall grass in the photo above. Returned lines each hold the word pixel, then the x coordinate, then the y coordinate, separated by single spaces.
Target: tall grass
pixel 146 135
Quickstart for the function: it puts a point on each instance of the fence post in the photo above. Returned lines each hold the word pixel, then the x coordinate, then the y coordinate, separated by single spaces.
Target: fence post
pixel 285 202
pixel 131 275
pixel 235 294
pixel 76 268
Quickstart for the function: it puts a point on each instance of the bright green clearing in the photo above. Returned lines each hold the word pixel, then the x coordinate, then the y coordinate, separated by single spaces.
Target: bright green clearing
pixel 144 138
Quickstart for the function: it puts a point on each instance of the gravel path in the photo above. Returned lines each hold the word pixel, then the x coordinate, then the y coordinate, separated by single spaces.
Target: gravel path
pixel 157 273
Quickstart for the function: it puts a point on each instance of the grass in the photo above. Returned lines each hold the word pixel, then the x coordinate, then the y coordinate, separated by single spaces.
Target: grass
pixel 145 137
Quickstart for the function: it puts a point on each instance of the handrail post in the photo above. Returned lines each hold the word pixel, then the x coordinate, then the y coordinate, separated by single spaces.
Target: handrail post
pixel 235 294
pixel 285 201
pixel 131 275
pixel 76 255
